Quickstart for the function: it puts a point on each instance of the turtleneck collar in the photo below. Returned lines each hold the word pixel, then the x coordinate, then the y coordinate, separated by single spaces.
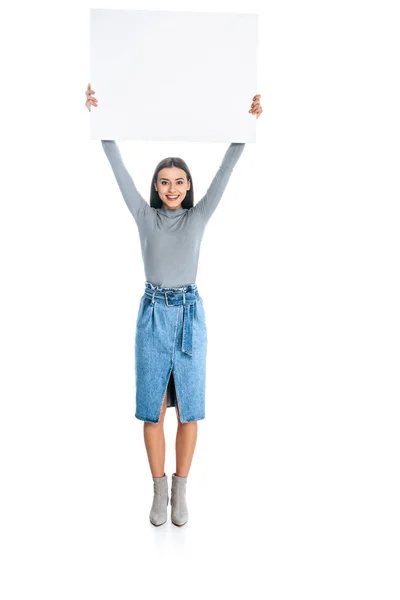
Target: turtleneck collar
pixel 171 212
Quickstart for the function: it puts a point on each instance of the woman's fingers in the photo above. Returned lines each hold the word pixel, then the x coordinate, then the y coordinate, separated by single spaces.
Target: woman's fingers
pixel 90 99
pixel 89 92
pixel 256 108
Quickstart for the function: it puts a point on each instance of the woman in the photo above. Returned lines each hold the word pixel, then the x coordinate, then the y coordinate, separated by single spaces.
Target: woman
pixel 171 332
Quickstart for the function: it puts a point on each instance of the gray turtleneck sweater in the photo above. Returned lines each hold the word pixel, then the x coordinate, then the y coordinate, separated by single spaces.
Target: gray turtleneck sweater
pixel 170 238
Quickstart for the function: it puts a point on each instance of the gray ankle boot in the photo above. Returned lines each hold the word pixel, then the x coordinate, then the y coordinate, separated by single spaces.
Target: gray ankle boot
pixel 158 513
pixel 179 511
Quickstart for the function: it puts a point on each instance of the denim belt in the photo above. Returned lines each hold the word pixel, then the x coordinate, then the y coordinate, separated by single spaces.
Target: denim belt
pixel 187 296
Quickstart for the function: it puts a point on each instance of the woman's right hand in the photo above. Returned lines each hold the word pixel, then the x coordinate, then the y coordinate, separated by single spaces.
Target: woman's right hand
pixel 90 101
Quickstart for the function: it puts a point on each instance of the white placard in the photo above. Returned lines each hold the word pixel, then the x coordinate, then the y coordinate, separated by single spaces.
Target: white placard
pixel 180 76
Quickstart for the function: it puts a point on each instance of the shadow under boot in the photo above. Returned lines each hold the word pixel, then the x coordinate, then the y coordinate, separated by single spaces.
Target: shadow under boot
pixel 158 512
pixel 179 510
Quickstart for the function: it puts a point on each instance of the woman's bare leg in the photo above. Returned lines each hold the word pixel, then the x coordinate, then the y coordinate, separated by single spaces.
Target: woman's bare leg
pixel 154 440
pixel 186 437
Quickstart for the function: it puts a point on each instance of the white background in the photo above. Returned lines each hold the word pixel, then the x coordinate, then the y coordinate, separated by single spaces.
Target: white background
pixel 210 55
pixel 294 486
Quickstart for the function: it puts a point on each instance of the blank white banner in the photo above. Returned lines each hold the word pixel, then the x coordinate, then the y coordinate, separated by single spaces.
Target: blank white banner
pixel 173 76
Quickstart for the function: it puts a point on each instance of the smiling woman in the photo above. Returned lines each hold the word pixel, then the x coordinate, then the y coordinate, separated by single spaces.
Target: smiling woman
pixel 167 190
pixel 171 178
pixel 171 332
pixel 171 231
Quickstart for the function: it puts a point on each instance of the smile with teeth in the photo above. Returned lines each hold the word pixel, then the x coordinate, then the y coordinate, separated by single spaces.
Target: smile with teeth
pixel 173 197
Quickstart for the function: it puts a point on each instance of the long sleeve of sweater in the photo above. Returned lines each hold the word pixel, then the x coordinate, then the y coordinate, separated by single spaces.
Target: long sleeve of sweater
pixel 210 200
pixel 133 199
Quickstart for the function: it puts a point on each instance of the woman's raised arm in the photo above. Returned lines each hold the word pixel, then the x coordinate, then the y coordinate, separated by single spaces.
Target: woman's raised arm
pixel 133 199
pixel 211 198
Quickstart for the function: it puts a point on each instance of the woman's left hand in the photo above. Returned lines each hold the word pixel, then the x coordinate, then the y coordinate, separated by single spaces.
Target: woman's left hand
pixel 256 108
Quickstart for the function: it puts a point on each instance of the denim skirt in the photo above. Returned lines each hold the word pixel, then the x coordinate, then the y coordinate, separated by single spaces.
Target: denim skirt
pixel 170 352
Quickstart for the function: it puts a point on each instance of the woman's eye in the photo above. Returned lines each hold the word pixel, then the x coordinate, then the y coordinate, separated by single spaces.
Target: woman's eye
pixel 179 182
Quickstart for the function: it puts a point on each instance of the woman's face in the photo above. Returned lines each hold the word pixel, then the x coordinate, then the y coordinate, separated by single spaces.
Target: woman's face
pixel 172 186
